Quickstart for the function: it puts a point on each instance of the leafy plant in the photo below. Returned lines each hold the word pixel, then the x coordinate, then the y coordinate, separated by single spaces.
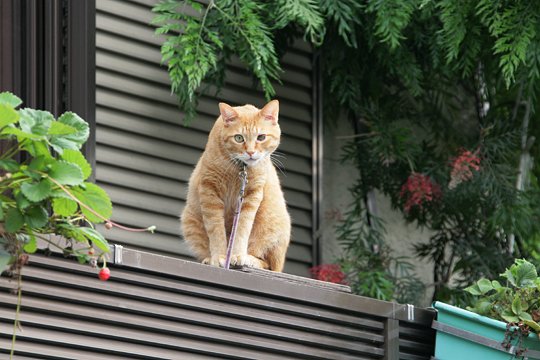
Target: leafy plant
pixel 44 190
pixel 518 302
pixel 201 40
pixel 443 97
pixel 370 266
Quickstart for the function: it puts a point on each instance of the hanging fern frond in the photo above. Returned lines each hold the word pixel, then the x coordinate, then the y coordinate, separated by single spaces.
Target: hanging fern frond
pixel 513 28
pixel 252 41
pixel 391 17
pixel 305 13
pixel 345 15
pixel 190 50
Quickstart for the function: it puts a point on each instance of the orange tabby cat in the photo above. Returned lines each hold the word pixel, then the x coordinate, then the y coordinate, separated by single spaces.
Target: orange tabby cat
pixel 241 135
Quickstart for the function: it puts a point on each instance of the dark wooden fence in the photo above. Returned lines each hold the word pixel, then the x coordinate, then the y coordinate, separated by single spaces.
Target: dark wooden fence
pixel 157 307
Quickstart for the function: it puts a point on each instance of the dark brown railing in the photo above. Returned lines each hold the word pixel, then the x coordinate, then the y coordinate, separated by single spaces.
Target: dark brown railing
pixel 158 307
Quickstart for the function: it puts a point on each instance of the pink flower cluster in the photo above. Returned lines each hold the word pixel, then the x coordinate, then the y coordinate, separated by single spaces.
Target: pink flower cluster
pixel 418 190
pixel 463 166
pixel 328 272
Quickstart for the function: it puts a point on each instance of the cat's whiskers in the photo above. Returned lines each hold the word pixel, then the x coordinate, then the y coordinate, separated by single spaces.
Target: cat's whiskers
pixel 228 170
pixel 278 164
pixel 279 154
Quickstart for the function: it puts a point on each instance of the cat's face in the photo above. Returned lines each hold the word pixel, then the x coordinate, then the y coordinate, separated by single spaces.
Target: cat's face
pixel 249 134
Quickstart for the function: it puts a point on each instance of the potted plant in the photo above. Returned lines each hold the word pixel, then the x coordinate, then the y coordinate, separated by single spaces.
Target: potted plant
pixel 503 321
pixel 44 193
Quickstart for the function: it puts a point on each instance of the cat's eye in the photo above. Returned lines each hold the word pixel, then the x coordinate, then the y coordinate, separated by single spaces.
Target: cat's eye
pixel 261 137
pixel 238 138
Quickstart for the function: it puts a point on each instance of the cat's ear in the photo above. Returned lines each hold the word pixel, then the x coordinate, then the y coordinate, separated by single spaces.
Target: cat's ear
pixel 227 113
pixel 270 111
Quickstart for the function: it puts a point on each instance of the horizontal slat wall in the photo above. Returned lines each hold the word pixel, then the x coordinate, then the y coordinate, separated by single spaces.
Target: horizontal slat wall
pixel 145 155
pixel 415 342
pixel 67 313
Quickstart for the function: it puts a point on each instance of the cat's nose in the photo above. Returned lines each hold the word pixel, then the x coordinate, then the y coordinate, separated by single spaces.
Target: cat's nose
pixel 250 153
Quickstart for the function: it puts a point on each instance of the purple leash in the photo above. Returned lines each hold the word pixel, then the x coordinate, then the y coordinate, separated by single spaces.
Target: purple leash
pixel 243 176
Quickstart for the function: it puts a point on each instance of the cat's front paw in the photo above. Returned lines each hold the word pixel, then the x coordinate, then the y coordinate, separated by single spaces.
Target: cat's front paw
pixel 249 261
pixel 215 260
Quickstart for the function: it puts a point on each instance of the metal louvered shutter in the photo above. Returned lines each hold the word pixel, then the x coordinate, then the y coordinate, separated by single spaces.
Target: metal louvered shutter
pixel 156 307
pixel 144 155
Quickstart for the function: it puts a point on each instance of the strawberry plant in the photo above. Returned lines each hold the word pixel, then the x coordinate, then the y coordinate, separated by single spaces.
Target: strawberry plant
pixel 517 302
pixel 44 190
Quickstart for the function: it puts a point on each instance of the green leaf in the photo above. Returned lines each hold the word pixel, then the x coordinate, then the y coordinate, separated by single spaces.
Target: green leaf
pixel 66 173
pixel 64 207
pixel 525 316
pixel 39 164
pixel 72 141
pixel 496 285
pixel 509 276
pixel 58 128
pixel 71 231
pixel 483 307
pixel 525 273
pixel 21 135
pixel 7 115
pixel 516 305
pixel 36 122
pixel 36 217
pixel 533 325
pixel 1 212
pixel 509 317
pixel 5 260
pixel 31 246
pixel 14 220
pixel 96 238
pixel 31 174
pixel 7 98
pixel 473 290
pixel 484 285
pixel 36 192
pixel 38 148
pixel 21 200
pixel 59 193
pixel 97 199
pixel 77 158
pixel 9 165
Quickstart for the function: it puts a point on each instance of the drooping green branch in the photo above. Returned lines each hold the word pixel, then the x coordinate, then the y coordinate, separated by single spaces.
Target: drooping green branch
pixel 414 74
pixel 199 43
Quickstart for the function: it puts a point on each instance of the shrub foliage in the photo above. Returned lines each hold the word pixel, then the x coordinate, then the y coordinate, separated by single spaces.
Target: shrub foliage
pixel 443 97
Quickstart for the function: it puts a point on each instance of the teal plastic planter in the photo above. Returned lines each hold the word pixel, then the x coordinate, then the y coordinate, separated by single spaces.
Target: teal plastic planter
pixel 464 335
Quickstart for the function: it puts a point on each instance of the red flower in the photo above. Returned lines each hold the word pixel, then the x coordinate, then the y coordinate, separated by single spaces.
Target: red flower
pixel 463 166
pixel 418 190
pixel 328 272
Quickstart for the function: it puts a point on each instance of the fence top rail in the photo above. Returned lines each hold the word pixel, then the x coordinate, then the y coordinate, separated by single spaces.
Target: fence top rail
pixel 276 285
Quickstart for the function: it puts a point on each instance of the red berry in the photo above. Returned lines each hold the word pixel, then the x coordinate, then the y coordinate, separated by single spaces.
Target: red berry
pixel 91 251
pixel 104 274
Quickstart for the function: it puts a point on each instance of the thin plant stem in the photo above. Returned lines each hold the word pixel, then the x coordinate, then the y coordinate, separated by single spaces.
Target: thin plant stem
pixel 151 228
pixel 17 311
